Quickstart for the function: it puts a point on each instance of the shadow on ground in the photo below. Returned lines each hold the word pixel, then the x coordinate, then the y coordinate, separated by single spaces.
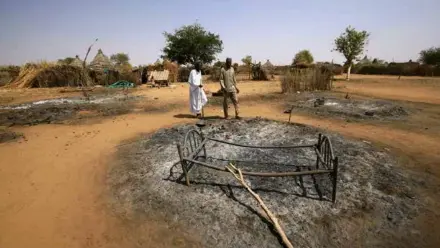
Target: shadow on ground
pixel 188 116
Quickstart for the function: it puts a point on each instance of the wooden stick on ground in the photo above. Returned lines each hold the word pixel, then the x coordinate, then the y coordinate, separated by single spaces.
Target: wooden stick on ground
pixel 239 176
pixel 290 114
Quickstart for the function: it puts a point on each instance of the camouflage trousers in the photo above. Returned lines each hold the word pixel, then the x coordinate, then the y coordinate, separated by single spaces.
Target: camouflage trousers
pixel 234 99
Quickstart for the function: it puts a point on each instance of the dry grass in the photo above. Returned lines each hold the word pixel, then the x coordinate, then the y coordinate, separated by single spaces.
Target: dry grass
pixel 389 79
pixel 47 74
pixel 306 80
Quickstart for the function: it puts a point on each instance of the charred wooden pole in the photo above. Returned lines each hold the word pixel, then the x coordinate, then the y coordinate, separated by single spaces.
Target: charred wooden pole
pixel 290 114
pixel 87 54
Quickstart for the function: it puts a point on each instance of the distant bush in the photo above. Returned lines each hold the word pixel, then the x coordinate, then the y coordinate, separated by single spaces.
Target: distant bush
pixel 337 69
pixel 8 74
pixel 281 69
pixel 303 57
pixel 398 69
pixel 183 74
pixel 236 67
pixel 206 70
pixel 5 78
pixel 215 73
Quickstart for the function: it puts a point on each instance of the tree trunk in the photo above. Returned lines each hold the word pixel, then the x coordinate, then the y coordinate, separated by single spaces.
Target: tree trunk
pixel 348 72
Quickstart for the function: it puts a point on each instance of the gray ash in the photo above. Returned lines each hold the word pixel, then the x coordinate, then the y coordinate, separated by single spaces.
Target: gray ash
pixel 65 109
pixel 375 205
pixel 347 108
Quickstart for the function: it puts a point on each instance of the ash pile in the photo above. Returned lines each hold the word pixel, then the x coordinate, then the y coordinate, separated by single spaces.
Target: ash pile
pixel 375 206
pixel 322 104
pixel 61 110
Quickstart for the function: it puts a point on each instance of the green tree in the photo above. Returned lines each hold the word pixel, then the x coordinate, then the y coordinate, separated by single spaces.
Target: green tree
pixel 430 56
pixel 120 59
pixel 192 43
pixel 303 57
pixel 66 61
pixel 351 44
pixel 247 60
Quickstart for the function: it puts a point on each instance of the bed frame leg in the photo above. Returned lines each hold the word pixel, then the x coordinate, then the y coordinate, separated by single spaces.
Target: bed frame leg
pixel 335 178
pixel 183 163
pixel 318 146
pixel 204 146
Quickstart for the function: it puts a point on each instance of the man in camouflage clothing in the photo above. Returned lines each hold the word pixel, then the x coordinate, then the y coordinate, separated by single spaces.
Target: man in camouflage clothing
pixel 228 83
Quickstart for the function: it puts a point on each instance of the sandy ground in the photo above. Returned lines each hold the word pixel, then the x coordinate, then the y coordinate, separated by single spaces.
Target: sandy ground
pixel 416 89
pixel 53 182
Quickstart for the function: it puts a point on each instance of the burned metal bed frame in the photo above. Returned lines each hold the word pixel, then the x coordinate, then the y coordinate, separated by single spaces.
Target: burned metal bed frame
pixel 195 142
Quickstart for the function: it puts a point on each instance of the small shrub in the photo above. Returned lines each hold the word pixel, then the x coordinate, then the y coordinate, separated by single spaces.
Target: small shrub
pixel 206 70
pixel 215 73
pixel 8 74
pixel 5 78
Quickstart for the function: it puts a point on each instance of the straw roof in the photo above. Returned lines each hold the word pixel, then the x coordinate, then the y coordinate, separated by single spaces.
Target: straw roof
pixel 77 62
pixel 37 76
pixel 268 65
pixel 100 62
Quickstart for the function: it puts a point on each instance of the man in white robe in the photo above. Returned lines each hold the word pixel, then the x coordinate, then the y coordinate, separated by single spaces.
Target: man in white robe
pixel 197 96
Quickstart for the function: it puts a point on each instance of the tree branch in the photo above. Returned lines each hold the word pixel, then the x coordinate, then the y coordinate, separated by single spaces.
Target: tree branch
pixel 274 220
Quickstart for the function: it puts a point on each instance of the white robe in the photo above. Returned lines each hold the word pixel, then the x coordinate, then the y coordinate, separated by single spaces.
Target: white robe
pixel 197 96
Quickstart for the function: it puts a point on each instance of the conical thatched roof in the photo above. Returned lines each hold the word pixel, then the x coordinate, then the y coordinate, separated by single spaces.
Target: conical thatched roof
pixel 268 65
pixel 100 62
pixel 77 62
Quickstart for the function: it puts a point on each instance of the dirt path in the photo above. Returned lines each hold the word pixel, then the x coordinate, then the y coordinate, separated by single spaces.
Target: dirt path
pixel 52 185
pixel 414 89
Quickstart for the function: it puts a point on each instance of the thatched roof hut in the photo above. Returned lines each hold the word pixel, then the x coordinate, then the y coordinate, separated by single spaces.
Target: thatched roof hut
pixel 268 66
pixel 259 72
pixel 267 70
pixel 100 62
pixel 77 62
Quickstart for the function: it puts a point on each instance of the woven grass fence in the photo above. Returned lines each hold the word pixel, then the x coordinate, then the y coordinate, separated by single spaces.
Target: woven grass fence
pixel 308 79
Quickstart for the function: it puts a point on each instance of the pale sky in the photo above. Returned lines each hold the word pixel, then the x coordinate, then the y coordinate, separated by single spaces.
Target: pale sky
pixel 275 30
